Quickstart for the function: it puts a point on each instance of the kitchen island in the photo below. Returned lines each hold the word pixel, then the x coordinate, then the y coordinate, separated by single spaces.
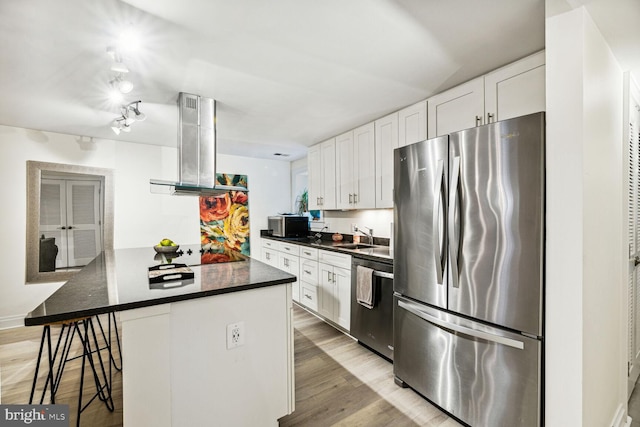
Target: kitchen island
pixel 180 363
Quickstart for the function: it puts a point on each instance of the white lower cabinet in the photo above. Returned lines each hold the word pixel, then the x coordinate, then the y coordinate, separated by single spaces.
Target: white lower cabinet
pixel 284 256
pixel 309 278
pixel 334 299
pixel 324 278
pixel 291 264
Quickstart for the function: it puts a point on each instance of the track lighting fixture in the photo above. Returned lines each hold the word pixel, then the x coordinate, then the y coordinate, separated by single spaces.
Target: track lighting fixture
pixel 117 65
pixel 121 84
pixel 130 112
pixel 120 125
pixel 134 108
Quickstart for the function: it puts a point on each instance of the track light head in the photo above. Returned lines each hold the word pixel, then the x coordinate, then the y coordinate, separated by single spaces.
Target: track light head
pixel 138 115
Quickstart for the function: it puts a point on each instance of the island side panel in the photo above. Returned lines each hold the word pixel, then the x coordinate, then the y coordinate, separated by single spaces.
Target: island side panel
pixel 176 356
pixel 146 361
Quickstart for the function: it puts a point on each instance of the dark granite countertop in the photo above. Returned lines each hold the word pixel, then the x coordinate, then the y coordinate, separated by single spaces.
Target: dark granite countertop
pixel 118 280
pixel 372 252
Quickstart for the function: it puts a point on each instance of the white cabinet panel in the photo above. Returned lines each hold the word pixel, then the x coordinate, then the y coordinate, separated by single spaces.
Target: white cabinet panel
pixel 328 149
pixel 386 140
pixel 355 165
pixel 412 124
pixel 314 167
pixel 291 264
pixel 364 183
pixel 342 293
pixel 334 299
pixel 456 109
pixel 321 163
pixel 516 89
pixel 344 170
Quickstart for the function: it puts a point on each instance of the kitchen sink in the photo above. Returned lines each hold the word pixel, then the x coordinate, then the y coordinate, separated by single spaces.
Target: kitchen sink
pixel 354 246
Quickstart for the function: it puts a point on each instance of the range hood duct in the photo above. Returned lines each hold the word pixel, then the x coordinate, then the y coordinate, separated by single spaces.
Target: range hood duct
pixel 196 150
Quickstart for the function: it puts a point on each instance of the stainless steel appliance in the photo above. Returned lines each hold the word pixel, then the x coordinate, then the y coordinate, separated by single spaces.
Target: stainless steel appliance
pixel 468 268
pixel 373 327
pixel 289 225
pixel 197 173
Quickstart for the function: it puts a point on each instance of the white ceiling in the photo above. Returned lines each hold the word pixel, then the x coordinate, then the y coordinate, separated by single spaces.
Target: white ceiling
pixel 286 73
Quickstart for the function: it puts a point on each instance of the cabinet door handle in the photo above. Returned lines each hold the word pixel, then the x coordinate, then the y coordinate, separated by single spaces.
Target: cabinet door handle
pixel 350 198
pixel 307 296
pixel 307 253
pixel 355 198
pixel 478 120
pixel 308 272
pixel 287 249
pixel 329 276
pixel 489 118
pixel 334 277
pixel 267 255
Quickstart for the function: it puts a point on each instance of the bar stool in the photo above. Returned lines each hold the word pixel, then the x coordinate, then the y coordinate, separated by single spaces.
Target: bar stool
pixel 57 359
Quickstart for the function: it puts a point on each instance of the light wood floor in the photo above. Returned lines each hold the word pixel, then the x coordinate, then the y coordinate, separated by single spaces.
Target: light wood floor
pixel 18 355
pixel 338 382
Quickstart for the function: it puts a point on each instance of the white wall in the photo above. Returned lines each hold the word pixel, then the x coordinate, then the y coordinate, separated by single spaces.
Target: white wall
pixel 378 219
pixel 141 218
pixel 585 265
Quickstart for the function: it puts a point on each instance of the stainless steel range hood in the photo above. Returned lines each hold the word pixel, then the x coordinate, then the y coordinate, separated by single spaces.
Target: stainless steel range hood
pixel 196 150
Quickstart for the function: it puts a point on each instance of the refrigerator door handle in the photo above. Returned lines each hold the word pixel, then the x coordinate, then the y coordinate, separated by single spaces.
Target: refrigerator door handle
pixel 413 308
pixel 453 199
pixel 437 255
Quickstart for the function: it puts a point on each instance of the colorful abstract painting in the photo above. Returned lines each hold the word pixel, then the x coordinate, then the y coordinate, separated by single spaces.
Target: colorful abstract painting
pixel 224 223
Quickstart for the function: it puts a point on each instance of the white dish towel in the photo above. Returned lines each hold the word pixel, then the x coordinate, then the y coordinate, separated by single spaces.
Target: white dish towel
pixel 364 287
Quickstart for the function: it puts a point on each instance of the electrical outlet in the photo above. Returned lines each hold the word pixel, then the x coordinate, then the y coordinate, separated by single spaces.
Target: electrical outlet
pixel 353 227
pixel 235 335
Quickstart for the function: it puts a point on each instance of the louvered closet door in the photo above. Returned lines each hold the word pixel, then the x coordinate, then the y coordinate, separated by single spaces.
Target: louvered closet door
pixel 83 219
pixel 633 135
pixel 53 207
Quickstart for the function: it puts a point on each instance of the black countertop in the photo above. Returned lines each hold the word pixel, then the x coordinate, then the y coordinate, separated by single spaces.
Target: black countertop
pixel 372 252
pixel 118 280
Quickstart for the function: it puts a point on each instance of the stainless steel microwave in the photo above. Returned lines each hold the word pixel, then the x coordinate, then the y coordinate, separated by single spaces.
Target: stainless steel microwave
pixel 289 225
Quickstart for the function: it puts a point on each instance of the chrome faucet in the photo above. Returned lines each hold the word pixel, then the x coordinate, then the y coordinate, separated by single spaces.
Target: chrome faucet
pixel 318 235
pixel 369 234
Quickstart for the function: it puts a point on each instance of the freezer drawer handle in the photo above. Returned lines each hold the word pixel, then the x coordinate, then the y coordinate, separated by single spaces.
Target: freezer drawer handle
pixel 461 329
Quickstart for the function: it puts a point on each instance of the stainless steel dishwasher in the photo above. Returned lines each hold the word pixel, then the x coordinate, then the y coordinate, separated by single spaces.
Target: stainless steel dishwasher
pixel 373 327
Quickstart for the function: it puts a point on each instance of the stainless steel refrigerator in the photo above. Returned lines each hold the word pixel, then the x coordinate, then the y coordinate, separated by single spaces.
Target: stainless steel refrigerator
pixel 469 271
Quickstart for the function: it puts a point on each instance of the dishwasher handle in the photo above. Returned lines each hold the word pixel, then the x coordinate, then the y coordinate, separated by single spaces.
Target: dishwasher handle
pixel 383 274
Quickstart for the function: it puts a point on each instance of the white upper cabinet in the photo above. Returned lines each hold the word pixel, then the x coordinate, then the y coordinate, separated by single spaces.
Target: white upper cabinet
pixel 321 161
pixel 461 107
pixel 412 124
pixel 355 165
pixel 364 192
pixel 516 89
pixel 328 149
pixel 314 167
pixel 355 170
pixel 386 140
pixel 344 170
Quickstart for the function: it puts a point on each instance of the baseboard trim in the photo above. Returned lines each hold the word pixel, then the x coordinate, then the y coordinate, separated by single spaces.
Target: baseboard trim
pixel 9 322
pixel 619 420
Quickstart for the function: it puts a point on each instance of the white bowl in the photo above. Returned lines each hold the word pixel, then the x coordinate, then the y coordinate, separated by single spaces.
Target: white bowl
pixel 166 249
